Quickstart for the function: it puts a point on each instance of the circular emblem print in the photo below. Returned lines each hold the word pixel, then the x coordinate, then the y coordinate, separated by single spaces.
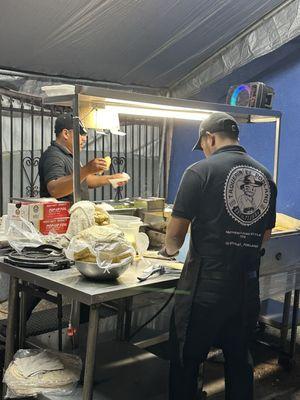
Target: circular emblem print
pixel 247 194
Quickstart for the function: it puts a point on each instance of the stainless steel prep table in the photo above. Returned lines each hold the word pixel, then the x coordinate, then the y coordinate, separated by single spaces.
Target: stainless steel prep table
pixel 70 283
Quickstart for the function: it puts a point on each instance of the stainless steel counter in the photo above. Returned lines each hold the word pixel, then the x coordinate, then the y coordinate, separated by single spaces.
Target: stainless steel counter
pixel 71 284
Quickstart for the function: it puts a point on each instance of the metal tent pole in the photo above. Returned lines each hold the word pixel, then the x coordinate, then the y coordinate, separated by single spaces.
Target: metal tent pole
pixel 76 151
pixel 276 150
pixel 75 309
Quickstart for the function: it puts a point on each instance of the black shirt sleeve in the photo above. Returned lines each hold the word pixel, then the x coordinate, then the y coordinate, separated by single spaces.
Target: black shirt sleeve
pixel 53 168
pixel 188 198
pixel 272 209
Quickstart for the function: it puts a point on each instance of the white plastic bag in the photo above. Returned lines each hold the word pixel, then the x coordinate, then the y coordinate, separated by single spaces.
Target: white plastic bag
pixel 104 246
pixel 21 233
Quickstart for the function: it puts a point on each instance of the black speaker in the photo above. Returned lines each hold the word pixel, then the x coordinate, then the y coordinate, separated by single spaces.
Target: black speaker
pixel 253 94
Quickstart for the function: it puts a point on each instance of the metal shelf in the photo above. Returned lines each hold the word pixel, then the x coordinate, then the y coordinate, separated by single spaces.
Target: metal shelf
pixel 96 96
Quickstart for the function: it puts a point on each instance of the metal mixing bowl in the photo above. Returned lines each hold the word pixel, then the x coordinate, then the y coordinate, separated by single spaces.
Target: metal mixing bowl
pixel 92 271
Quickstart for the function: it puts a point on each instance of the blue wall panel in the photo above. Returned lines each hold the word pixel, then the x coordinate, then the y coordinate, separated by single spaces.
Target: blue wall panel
pixel 284 77
pixel 184 137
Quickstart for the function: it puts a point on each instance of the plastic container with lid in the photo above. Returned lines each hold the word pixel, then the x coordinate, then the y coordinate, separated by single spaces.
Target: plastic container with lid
pixel 128 224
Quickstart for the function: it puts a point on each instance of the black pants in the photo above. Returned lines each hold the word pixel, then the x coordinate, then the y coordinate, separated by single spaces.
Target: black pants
pixel 232 339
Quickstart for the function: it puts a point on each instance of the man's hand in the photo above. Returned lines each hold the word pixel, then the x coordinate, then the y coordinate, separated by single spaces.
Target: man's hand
pixel 95 166
pixel 163 252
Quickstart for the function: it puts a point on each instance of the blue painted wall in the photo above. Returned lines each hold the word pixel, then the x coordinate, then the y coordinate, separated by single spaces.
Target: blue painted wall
pixel 281 71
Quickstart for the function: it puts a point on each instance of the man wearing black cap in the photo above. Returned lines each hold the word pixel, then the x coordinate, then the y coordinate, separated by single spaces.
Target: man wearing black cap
pixel 229 199
pixel 56 164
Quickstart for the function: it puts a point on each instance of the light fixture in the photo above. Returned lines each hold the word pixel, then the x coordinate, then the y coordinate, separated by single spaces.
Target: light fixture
pixel 162 112
pixel 102 120
pixel 107 121
pixel 104 117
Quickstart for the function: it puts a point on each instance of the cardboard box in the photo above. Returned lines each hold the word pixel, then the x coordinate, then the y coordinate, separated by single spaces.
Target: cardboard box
pixel 150 204
pixel 168 213
pixel 18 210
pixel 39 211
pixel 59 225
pixel 147 216
pixel 49 211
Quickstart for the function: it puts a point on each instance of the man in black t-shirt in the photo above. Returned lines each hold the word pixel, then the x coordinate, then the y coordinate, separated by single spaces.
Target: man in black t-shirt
pixel 229 200
pixel 56 164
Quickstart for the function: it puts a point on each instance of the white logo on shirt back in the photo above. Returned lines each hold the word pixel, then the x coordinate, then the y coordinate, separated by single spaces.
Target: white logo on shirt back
pixel 247 194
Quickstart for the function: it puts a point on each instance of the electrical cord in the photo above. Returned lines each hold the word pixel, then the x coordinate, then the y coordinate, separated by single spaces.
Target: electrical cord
pixel 153 317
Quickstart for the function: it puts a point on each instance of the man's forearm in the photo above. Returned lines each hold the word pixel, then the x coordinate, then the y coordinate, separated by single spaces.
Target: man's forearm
pixel 95 181
pixel 176 232
pixel 173 244
pixel 63 186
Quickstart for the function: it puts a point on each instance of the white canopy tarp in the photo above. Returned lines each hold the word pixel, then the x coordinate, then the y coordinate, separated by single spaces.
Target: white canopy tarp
pixel 152 43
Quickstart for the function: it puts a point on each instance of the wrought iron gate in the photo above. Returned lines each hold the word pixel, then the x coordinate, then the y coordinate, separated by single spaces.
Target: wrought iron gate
pixel 27 128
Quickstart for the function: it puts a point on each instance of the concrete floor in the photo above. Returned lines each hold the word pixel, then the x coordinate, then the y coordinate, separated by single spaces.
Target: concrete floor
pixel 271 381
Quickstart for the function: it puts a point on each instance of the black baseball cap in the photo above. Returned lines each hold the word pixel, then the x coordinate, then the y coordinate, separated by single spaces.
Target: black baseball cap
pixel 217 122
pixel 65 121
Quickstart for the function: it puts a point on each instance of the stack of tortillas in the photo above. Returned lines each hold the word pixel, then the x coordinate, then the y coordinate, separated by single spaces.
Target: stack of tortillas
pixel 42 372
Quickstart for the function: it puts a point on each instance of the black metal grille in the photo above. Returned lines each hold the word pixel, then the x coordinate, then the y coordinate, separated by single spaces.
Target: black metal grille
pixel 136 153
pixel 27 128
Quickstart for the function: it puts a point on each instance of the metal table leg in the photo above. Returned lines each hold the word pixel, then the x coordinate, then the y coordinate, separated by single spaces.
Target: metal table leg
pixel 11 323
pixel 75 320
pixel 121 319
pixel 59 321
pixel 285 319
pixel 294 324
pixel 90 353
pixel 22 325
pixel 128 318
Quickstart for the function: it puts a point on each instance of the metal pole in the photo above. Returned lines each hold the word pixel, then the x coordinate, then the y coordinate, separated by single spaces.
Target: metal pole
pixel 132 160
pixel 11 159
pixel 153 159
pixel 22 325
pixel 161 157
pixel 59 321
pixel 121 319
pixel 87 393
pixel 22 150
pixel 11 324
pixel 11 321
pixel 168 149
pixel 75 314
pixel 285 319
pixel 1 160
pixel 126 155
pixel 32 153
pixel 276 150
pixel 294 324
pixel 140 158
pixel 128 318
pixel 76 151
